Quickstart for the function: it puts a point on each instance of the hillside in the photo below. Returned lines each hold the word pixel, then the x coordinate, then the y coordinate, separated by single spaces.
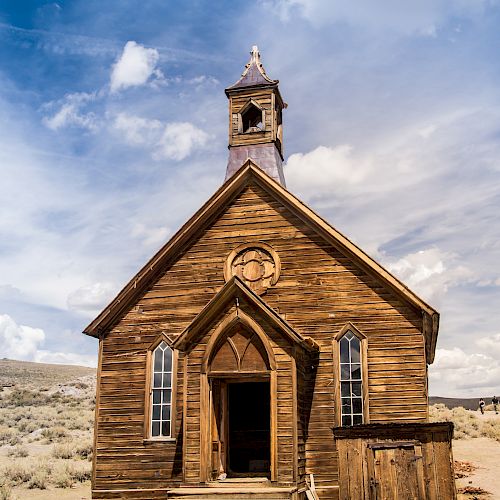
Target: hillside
pixel 41 374
pixel 46 421
pixel 467 403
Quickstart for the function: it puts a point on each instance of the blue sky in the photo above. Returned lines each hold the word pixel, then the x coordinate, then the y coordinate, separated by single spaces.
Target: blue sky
pixel 113 131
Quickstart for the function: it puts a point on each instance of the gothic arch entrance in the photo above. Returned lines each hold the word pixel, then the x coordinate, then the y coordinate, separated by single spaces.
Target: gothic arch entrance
pixel 239 375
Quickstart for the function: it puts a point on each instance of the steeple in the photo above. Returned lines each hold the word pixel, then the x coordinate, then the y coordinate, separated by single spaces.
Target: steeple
pixel 255 121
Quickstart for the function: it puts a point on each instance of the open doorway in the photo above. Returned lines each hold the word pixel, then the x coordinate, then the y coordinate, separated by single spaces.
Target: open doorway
pixel 249 429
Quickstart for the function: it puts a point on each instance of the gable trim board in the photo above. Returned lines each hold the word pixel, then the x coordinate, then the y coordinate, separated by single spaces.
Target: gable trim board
pixel 185 237
pixel 237 290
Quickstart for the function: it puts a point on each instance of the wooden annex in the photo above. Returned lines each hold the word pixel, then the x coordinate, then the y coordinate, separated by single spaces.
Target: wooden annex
pixel 261 354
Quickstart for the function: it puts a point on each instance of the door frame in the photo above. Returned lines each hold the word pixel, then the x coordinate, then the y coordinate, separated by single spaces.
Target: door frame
pixel 207 424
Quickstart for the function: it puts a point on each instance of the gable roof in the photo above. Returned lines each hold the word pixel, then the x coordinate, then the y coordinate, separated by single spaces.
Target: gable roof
pixel 251 173
pixel 236 289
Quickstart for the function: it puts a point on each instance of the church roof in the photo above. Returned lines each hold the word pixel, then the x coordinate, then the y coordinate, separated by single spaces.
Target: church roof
pixel 184 238
pixel 232 290
pixel 254 73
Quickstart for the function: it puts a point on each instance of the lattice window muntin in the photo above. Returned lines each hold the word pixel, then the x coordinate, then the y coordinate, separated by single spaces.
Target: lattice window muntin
pixel 161 391
pixel 351 380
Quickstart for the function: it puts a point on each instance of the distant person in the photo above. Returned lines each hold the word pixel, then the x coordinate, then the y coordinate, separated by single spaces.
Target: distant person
pixel 494 401
pixel 482 405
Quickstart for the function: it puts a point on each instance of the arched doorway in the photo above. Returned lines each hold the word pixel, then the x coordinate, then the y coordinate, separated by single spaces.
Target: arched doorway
pixel 240 376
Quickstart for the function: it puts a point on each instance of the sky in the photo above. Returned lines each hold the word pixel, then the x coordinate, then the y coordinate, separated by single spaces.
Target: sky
pixel 113 132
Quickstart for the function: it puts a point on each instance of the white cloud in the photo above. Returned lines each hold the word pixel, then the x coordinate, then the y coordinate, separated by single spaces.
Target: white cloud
pixel 91 299
pixel 70 112
pixel 455 372
pixel 430 273
pixel 18 341
pixel 21 342
pixel 135 66
pixel 414 17
pixel 65 358
pixel 490 345
pixel 138 130
pixel 179 140
pixel 326 169
pixel 150 236
pixel 174 141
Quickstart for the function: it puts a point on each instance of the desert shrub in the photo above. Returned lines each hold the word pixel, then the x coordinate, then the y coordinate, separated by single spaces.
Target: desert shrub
pixel 38 480
pixel 18 452
pixel 5 492
pixel 17 473
pixel 84 450
pixel 466 423
pixel 54 433
pixel 80 472
pixel 64 451
pixel 15 440
pixel 61 477
pixel 6 433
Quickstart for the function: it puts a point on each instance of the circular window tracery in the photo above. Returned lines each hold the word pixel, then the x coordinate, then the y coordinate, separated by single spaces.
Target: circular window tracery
pixel 256 264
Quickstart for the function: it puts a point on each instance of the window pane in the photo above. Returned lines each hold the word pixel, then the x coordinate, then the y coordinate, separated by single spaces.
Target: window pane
pixel 165 428
pixel 158 358
pixel 165 412
pixel 356 405
pixel 344 350
pixel 167 356
pixel 355 344
pixel 156 412
pixel 345 372
pixel 345 389
pixel 356 388
pixel 157 380
pixel 167 380
pixel 156 396
pixel 167 396
pixel 346 406
pixel 358 419
pixel 349 335
pixel 155 429
pixel 356 372
pixel 346 420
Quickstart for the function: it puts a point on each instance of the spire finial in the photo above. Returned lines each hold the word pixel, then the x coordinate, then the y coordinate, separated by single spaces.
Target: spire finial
pixel 255 55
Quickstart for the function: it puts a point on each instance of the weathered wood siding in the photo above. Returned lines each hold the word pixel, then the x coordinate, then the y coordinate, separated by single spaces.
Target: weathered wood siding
pixel 433 461
pixel 318 292
pixel 265 99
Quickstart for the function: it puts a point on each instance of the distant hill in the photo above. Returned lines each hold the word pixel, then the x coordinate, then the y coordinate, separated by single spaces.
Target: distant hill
pixel 467 403
pixel 39 374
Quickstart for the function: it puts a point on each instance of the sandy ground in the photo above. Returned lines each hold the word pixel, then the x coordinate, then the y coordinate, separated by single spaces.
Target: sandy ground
pixel 485 454
pixel 81 492
pixel 482 452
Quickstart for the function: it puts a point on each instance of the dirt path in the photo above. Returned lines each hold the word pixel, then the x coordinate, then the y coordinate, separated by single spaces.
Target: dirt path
pixel 485 454
pixel 81 492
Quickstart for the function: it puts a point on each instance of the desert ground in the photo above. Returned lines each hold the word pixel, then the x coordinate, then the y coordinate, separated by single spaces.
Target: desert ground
pixel 46 422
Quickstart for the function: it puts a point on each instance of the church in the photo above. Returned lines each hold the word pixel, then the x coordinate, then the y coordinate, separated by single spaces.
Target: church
pixel 260 354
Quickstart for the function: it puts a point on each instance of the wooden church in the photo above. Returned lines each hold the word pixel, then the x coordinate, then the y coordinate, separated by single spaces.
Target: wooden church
pixel 260 354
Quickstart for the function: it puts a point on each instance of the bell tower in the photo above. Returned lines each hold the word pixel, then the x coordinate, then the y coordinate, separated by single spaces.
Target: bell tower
pixel 255 121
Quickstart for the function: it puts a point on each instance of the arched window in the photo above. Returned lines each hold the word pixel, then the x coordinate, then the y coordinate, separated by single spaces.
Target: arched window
pixel 350 360
pixel 162 364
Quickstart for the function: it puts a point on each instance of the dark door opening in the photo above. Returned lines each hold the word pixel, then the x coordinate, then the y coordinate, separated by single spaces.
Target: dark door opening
pixel 249 430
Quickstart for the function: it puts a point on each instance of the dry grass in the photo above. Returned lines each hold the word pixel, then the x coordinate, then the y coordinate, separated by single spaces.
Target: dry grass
pixel 45 434
pixel 467 424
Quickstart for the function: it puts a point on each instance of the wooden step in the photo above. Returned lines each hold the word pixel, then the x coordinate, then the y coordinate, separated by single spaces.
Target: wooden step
pixel 231 492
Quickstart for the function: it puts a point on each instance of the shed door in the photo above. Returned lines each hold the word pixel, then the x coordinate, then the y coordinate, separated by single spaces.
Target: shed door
pixel 396 472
